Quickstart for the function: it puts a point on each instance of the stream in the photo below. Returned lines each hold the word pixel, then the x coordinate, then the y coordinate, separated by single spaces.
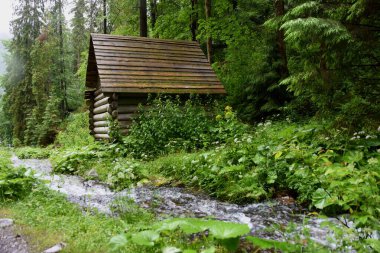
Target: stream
pixel 262 217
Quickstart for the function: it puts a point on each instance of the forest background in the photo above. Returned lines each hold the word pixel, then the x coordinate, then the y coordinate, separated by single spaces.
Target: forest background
pixel 295 58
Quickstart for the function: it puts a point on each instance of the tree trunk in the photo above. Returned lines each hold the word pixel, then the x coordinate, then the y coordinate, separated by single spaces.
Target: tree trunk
pixel 105 16
pixel 153 12
pixel 61 61
pixel 280 11
pixel 209 39
pixel 234 4
pixel 194 19
pixel 143 19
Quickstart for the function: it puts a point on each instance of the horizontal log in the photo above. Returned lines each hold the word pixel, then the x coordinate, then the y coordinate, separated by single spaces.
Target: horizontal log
pixel 102 109
pixel 99 97
pixel 102 101
pixel 101 130
pixel 101 136
pixel 194 67
pixel 210 91
pixel 158 60
pixel 125 127
pixel 127 109
pixel 101 123
pixel 104 37
pixel 124 131
pixel 178 84
pixel 148 47
pixel 130 101
pixel 102 117
pixel 114 114
pixel 98 92
pixel 125 122
pixel 147 56
pixel 153 73
pixel 123 117
pixel 151 69
pixel 158 79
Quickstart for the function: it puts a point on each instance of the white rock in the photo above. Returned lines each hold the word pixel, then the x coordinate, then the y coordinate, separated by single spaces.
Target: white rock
pixel 92 174
pixel 56 248
pixel 6 223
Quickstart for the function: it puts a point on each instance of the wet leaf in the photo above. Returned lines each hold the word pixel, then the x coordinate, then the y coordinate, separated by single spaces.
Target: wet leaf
pixel 171 250
pixel 119 241
pixel 271 244
pixel 320 198
pixel 145 238
pixel 209 250
pixel 353 156
pixel 226 230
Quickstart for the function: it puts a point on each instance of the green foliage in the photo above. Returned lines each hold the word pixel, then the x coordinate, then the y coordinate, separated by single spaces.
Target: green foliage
pixel 15 183
pixel 169 126
pixel 32 153
pixel 118 172
pixel 76 161
pixel 75 132
pixel 123 173
pixel 221 234
pixel 331 59
pixel 47 214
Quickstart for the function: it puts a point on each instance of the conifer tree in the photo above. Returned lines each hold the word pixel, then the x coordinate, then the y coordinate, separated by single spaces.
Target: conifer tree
pixel 18 99
pixel 79 38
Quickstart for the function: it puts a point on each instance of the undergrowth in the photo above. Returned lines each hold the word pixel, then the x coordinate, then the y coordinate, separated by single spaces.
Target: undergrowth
pixel 15 183
pixel 32 153
pixel 329 169
pixel 48 214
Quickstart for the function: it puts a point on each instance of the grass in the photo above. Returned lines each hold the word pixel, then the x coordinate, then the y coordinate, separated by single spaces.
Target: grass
pixel 46 218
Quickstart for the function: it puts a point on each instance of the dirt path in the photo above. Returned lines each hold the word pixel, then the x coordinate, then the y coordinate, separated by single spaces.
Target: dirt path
pixel 10 242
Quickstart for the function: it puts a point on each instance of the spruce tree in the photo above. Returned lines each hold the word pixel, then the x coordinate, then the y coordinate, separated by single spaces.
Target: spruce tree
pixel 79 37
pixel 19 100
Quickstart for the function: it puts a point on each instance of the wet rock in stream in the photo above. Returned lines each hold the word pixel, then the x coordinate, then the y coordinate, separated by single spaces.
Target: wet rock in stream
pixel 179 202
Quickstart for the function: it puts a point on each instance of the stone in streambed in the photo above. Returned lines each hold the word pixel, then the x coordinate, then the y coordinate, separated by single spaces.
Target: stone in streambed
pixel 56 248
pixel 6 223
pixel 92 174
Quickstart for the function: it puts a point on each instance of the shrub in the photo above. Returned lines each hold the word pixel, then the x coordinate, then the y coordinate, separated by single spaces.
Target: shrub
pixel 15 183
pixel 32 153
pixel 169 126
pixel 75 132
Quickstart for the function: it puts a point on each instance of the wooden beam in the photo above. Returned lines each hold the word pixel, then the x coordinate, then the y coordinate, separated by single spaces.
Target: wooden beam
pixel 99 97
pixel 123 117
pixel 101 102
pixel 98 92
pixel 102 117
pixel 101 123
pixel 127 109
pixel 102 109
pixel 101 130
pixel 101 136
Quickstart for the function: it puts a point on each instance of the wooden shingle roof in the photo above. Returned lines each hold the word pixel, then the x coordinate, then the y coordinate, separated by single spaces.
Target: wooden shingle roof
pixel 145 65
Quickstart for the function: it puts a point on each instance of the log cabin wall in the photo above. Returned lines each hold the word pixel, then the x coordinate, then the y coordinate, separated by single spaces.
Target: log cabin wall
pixel 128 105
pixel 100 114
pixel 123 70
pixel 105 107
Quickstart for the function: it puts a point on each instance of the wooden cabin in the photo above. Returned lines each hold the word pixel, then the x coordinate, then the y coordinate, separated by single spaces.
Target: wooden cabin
pixel 123 70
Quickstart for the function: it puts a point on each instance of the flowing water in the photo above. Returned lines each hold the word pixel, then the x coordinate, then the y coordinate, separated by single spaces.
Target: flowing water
pixel 179 202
